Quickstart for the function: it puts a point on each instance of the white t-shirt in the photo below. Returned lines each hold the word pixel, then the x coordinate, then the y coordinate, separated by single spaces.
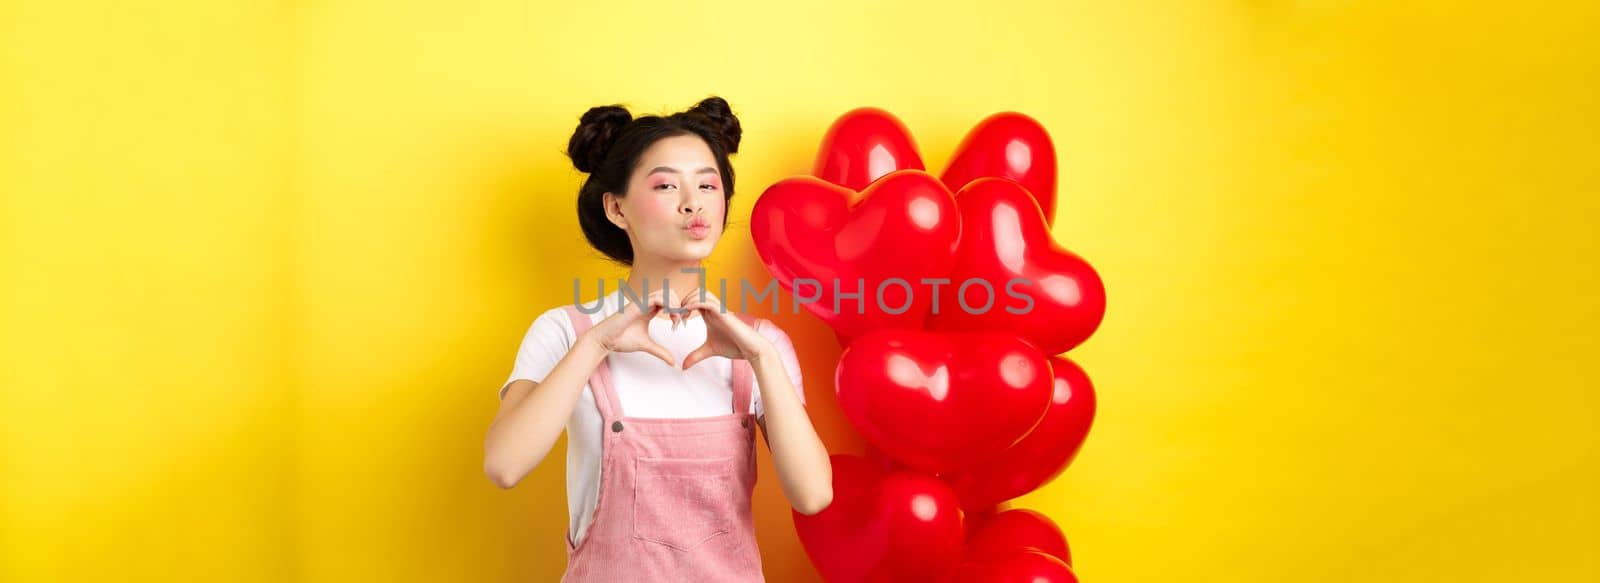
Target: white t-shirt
pixel 646 387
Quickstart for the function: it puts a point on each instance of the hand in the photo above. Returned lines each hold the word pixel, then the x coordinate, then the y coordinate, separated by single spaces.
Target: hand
pixel 628 330
pixel 726 334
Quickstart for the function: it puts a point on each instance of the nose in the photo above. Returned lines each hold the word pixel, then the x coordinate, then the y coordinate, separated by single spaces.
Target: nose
pixel 690 208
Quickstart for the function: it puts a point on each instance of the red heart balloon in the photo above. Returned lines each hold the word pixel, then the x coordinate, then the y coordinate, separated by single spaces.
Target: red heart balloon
pixel 941 402
pixel 974 519
pixel 903 228
pixel 1009 274
pixel 864 145
pixel 883 461
pixel 1014 530
pixel 1044 453
pixel 1022 566
pixel 1008 145
pixel 882 526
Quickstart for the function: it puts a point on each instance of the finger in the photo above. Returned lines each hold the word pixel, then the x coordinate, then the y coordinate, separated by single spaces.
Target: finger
pixel 660 297
pixel 695 295
pixel 686 302
pixel 672 316
pixel 712 302
pixel 664 298
pixel 677 314
pixel 713 319
pixel 655 303
pixel 709 310
pixel 640 312
pixel 699 354
pixel 670 299
pixel 689 307
pixel 662 353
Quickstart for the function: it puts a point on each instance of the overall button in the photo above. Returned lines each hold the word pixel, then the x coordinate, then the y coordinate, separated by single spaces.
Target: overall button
pixel 744 422
pixel 616 426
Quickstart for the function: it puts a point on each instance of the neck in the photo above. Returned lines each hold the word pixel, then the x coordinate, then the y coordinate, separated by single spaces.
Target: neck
pixel 656 272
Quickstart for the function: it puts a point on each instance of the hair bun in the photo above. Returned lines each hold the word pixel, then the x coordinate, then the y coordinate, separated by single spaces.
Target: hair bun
pixel 720 119
pixel 597 131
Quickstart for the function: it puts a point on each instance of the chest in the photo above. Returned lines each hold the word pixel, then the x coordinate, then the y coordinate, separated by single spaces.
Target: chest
pixel 647 387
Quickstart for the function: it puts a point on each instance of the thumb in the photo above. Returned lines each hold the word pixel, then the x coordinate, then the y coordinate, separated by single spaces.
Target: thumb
pixel 661 352
pixel 699 354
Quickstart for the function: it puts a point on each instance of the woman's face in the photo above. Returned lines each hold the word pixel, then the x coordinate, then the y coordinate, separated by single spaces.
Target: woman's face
pixel 674 205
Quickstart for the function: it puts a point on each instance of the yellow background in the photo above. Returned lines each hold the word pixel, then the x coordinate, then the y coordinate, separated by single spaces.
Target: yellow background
pixel 265 264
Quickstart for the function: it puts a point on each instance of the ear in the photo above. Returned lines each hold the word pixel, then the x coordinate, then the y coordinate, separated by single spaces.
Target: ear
pixel 614 210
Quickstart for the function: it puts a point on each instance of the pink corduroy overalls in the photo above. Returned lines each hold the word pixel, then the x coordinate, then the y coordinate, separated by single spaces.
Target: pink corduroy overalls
pixel 674 501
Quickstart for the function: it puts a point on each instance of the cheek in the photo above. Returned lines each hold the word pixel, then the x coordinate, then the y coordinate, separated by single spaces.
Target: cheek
pixel 716 207
pixel 655 212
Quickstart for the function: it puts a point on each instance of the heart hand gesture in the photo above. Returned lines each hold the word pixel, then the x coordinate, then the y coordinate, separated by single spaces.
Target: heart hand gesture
pixel 628 330
pixel 727 335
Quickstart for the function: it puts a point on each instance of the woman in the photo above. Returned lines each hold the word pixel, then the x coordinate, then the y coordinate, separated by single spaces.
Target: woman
pixel 658 399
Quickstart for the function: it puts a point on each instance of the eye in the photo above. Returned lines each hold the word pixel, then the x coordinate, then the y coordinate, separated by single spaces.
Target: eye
pixel 666 185
pixel 709 186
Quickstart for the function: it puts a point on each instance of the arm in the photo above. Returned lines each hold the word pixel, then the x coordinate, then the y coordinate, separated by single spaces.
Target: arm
pixel 532 415
pixel 801 459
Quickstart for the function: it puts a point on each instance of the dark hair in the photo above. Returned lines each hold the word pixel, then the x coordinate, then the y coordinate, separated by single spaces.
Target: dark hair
pixel 607 146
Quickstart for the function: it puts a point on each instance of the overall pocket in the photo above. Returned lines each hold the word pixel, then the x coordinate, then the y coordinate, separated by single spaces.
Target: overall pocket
pixel 682 503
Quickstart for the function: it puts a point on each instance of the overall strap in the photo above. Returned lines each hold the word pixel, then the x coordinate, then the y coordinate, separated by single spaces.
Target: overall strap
pixel 744 386
pixel 600 383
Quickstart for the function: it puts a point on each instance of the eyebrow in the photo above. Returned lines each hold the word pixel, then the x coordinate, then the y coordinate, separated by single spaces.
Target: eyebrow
pixel 705 170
